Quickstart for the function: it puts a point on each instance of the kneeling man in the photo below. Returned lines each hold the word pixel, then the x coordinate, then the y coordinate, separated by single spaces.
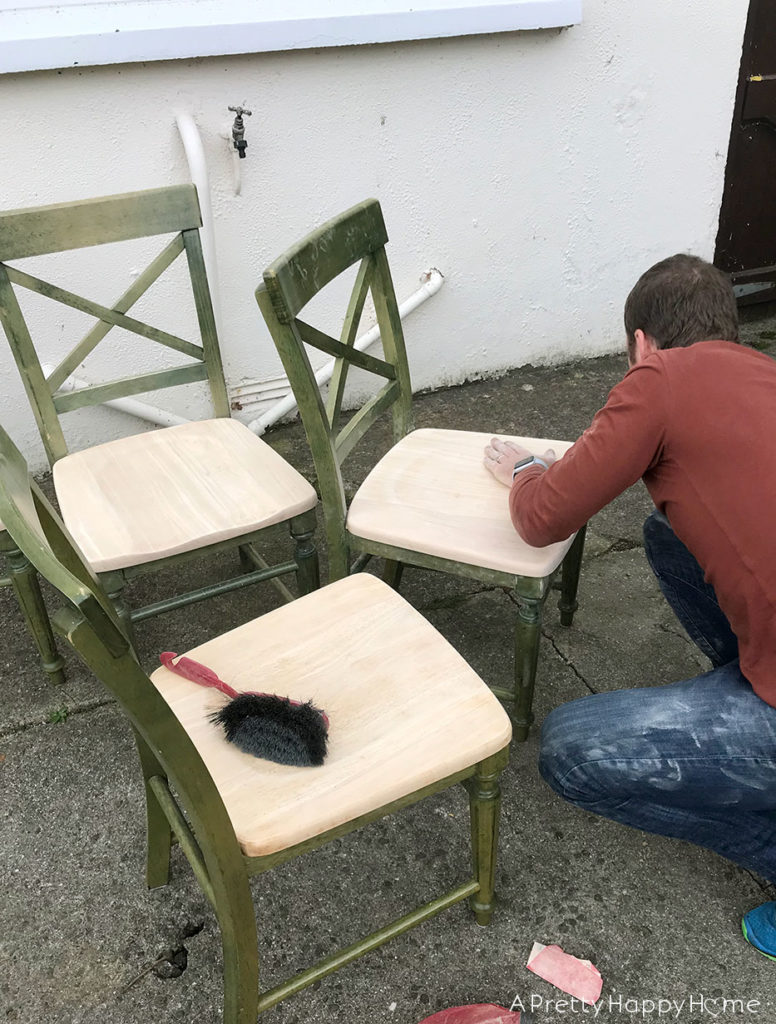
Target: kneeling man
pixel 695 417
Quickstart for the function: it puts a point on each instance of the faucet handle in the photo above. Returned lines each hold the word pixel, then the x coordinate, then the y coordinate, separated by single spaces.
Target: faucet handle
pixel 240 111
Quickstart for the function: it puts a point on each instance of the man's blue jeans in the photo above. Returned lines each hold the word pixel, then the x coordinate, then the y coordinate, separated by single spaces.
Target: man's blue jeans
pixel 696 759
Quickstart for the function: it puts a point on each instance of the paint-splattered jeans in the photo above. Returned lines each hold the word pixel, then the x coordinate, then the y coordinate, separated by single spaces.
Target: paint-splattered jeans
pixel 696 759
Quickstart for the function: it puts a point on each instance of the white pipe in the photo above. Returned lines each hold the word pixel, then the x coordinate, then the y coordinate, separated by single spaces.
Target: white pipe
pixel 153 414
pixel 236 167
pixel 195 157
pixel 432 282
pixel 142 410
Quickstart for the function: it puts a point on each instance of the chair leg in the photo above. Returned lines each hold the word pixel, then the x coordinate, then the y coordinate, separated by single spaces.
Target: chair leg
pixel 392 573
pixel 246 562
pixel 158 831
pixel 527 637
pixel 26 586
pixel 114 583
pixel 308 575
pixel 158 843
pixel 241 955
pixel 485 806
pixel 570 579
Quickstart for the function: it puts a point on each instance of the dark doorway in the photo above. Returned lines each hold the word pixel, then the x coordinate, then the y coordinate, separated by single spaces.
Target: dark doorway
pixel 746 240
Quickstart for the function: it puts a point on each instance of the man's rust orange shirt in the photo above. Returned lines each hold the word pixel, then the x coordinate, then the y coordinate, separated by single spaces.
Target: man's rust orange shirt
pixel 699 425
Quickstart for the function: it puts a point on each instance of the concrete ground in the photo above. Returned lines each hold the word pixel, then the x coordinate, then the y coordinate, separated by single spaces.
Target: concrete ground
pixel 659 918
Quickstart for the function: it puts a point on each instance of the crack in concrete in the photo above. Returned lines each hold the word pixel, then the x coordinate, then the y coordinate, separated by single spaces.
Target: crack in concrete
pixel 762 883
pixel 567 661
pixel 77 709
pixel 673 632
pixel 621 544
pixel 456 600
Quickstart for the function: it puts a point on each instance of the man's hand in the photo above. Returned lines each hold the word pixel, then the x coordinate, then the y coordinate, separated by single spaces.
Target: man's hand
pixel 501 456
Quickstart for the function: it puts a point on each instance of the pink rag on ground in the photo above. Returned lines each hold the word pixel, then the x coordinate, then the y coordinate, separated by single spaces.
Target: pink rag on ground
pixel 576 977
pixel 478 1013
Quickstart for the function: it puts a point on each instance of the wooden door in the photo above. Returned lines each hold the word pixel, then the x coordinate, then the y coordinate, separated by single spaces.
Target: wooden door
pixel 746 240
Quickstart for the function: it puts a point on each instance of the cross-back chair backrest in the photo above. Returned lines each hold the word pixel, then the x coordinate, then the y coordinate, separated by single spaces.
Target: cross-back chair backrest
pixel 69 226
pixel 357 236
pixel 91 626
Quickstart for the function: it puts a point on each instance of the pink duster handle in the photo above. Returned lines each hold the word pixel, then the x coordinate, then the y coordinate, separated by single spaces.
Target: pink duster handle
pixel 199 673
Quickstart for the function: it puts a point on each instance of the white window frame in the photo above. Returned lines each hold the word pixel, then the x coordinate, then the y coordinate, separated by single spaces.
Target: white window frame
pixel 39 34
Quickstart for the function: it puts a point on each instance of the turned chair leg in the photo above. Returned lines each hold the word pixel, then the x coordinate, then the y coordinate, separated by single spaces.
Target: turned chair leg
pixel 114 583
pixel 308 574
pixel 158 842
pixel 570 579
pixel 527 638
pixel 26 586
pixel 246 562
pixel 485 807
pixel 392 573
pixel 158 831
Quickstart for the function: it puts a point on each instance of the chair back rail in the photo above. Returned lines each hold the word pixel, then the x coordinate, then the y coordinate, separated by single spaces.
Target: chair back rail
pixel 71 226
pixel 358 236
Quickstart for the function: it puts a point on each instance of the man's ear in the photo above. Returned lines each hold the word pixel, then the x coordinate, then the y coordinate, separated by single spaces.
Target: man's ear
pixel 644 345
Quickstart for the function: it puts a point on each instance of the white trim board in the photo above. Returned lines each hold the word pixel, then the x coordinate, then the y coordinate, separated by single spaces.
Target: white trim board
pixel 36 34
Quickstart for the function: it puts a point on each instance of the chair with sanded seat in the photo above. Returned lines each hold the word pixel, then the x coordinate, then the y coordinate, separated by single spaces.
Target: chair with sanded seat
pixel 150 500
pixel 408 718
pixel 429 502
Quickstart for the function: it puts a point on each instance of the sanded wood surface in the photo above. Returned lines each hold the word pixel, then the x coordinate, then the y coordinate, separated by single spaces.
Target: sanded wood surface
pixel 162 492
pixel 405 710
pixel 431 493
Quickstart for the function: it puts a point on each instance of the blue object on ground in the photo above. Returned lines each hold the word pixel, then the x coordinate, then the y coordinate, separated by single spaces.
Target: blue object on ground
pixel 759 928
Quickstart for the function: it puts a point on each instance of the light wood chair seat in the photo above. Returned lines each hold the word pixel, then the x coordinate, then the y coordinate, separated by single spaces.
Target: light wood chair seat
pixel 431 493
pixel 402 715
pixel 156 494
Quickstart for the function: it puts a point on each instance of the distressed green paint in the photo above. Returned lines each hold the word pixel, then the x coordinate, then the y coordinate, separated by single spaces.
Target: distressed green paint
pixel 182 799
pixel 303 270
pixel 96 394
pixel 207 321
pixel 24 581
pixel 348 339
pixel 110 317
pixel 30 370
pixel 137 289
pixel 66 226
pixel 358 236
pixel 570 579
pixel 324 343
pixel 361 421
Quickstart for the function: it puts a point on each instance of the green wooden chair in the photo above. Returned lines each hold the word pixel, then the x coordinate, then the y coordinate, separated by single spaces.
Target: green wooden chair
pixel 429 502
pixel 150 500
pixel 408 718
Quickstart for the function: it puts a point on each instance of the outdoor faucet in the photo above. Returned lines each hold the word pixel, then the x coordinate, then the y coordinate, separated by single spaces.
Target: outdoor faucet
pixel 238 130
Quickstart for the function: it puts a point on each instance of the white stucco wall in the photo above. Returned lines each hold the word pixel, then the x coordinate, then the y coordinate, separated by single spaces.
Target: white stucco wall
pixel 540 171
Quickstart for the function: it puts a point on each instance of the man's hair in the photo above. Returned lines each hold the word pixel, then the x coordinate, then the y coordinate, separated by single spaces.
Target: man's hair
pixel 681 300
